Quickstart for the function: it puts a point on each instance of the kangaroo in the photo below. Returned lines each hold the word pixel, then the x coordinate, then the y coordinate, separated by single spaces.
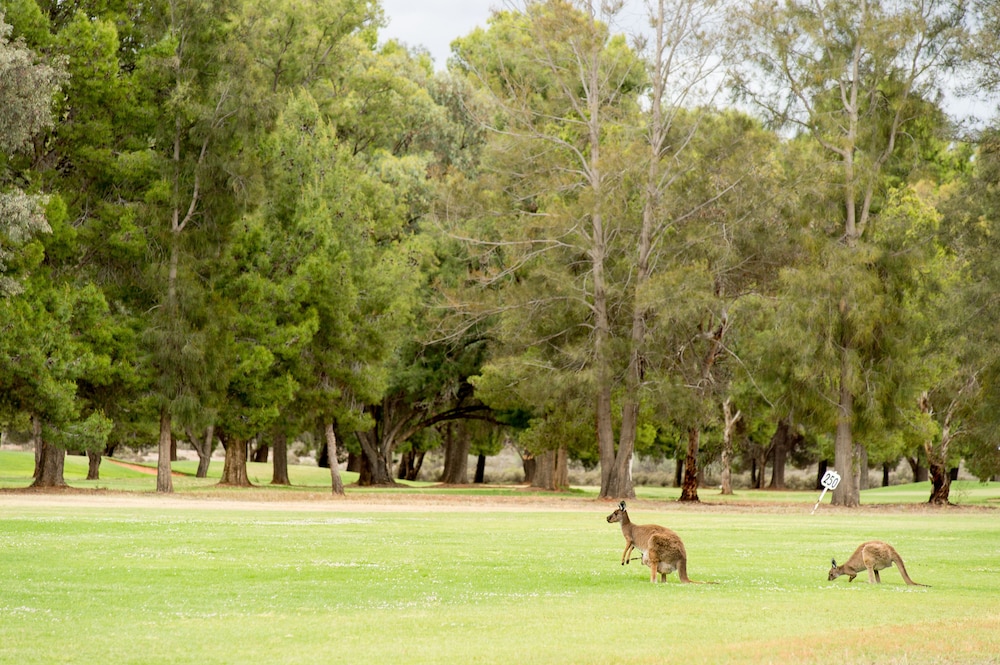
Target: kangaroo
pixel 875 556
pixel 662 549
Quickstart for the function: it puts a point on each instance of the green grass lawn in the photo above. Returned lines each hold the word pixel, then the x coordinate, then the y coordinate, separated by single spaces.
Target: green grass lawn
pixel 134 580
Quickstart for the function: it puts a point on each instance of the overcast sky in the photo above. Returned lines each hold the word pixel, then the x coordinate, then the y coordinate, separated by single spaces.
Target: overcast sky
pixel 434 23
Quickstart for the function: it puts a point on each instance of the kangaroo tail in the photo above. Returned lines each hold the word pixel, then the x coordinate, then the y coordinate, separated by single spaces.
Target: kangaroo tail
pixel 682 573
pixel 898 560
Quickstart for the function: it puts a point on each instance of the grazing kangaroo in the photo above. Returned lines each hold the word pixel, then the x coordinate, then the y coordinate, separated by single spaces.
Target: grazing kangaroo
pixel 875 556
pixel 662 549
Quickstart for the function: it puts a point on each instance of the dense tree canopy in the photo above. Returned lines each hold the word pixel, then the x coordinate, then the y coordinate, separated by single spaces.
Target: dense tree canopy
pixel 254 220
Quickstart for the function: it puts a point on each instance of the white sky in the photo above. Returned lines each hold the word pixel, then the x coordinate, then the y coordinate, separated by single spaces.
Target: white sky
pixel 434 23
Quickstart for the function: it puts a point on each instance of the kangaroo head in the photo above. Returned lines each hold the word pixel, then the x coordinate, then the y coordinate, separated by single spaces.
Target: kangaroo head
pixel 617 515
pixel 835 572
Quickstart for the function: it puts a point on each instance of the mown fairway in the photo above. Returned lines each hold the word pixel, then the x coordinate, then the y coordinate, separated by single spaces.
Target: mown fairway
pixel 111 579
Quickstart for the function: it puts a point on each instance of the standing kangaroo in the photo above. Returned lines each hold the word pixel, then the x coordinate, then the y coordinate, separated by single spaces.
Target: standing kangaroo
pixel 875 556
pixel 662 549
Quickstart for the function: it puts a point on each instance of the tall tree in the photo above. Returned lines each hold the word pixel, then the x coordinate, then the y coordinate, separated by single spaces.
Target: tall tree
pixel 44 352
pixel 188 70
pixel 852 76
pixel 561 84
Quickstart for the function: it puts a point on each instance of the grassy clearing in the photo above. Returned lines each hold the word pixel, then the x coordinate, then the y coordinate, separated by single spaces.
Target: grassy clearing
pixel 140 582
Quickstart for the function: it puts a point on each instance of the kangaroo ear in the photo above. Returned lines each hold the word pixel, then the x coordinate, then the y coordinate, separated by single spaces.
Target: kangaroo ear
pixel 834 562
pixel 621 505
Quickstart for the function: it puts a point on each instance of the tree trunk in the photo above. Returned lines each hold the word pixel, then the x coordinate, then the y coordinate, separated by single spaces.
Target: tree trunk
pixel 322 454
pixel 375 465
pixel 409 464
pixel 279 467
pixel 260 453
pixel 36 439
pixel 544 471
pixel 331 445
pixel 457 443
pixel 50 467
pixel 203 448
pixel 918 470
pixel 729 428
pixel 93 465
pixel 678 469
pixel 552 472
pixel 480 469
pixel 164 475
pixel 689 489
pixel 530 465
pixel 234 471
pixel 173 447
pixel 861 454
pixel 354 462
pixel 940 485
pixel 846 493
pixel 937 453
pixel 885 475
pixel 820 472
pixel 780 445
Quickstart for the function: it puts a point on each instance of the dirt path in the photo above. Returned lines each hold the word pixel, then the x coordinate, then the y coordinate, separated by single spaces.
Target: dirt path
pixel 141 468
pixel 264 499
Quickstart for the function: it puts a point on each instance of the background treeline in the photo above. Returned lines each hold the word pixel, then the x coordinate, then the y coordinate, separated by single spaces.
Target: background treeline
pixel 746 230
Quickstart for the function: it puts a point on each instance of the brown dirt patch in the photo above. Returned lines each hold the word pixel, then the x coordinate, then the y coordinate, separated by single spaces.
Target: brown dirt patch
pixel 141 468
pixel 389 501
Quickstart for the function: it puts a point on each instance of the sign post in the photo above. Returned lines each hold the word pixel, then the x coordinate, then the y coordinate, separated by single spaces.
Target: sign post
pixel 829 481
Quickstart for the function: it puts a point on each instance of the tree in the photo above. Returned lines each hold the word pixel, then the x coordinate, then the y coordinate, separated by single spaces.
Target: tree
pixel 40 371
pixel 964 396
pixel 853 77
pixel 26 99
pixel 97 162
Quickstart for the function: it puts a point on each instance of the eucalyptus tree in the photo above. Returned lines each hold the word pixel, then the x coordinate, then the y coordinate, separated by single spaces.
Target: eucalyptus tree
pixel 614 186
pixel 854 77
pixel 965 398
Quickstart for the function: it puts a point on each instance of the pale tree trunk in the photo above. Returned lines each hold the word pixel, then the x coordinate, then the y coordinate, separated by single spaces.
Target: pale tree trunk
pixel 635 373
pixel 937 455
pixel 331 451
pixel 730 421
pixel 616 480
pixel 689 488
pixel 846 493
pixel 164 479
